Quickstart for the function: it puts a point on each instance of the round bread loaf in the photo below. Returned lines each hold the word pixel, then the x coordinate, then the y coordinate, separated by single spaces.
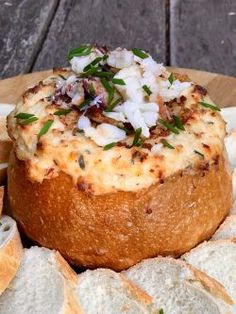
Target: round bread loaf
pixel 109 184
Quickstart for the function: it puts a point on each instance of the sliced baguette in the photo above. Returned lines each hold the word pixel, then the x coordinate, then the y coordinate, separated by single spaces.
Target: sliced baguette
pixel 218 260
pixel 1 198
pixel 43 284
pixel 179 288
pixel 103 291
pixel 11 251
pixel 227 229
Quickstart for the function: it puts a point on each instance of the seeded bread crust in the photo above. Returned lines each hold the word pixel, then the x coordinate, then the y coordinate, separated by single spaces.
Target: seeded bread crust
pixel 117 230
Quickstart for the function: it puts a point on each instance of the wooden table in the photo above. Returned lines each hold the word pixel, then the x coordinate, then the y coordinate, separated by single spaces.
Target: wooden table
pixel 37 35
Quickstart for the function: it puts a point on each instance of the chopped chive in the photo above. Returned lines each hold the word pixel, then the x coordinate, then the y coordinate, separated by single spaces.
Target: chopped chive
pixel 61 76
pixel 80 131
pixel 90 71
pixel 136 141
pixel 198 153
pixel 127 131
pixel 161 311
pixel 167 144
pixel 93 63
pixel 27 121
pixel 212 107
pixel 171 78
pixel 139 53
pixel 108 88
pixel 62 112
pixel 118 81
pixel 103 74
pixel 91 89
pixel 112 105
pixel 109 146
pixel 24 115
pixel 45 128
pixel 84 103
pixel 178 123
pixel 81 51
pixel 169 126
pixel 147 90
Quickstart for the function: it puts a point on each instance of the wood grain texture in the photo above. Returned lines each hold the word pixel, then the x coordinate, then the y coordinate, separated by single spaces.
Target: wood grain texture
pixel 124 23
pixel 23 25
pixel 203 34
pixel 221 88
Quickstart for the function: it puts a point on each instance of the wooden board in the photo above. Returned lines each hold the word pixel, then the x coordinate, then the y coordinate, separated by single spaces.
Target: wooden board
pixel 105 22
pixel 221 88
pixel 203 34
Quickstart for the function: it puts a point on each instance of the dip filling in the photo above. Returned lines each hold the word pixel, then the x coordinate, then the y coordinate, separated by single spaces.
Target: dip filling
pixel 116 120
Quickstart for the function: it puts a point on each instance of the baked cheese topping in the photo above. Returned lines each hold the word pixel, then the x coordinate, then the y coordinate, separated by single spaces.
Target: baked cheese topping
pixel 117 120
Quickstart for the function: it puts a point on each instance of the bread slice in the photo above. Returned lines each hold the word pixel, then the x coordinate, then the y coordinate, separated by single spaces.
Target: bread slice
pixel 11 251
pixel 104 291
pixel 218 260
pixel 41 285
pixel 227 229
pixel 1 198
pixel 5 141
pixel 179 288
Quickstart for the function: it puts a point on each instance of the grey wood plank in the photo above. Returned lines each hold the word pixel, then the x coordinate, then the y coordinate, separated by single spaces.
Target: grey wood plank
pixel 203 35
pixel 113 23
pixel 23 25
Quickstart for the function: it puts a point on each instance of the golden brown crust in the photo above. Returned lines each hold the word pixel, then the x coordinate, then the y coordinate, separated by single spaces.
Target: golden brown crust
pixel 10 259
pixel 118 230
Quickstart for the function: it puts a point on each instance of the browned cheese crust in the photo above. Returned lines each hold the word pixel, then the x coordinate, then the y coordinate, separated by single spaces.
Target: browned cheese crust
pixel 117 230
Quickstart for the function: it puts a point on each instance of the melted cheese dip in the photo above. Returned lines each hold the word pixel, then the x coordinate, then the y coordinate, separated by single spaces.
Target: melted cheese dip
pixel 97 151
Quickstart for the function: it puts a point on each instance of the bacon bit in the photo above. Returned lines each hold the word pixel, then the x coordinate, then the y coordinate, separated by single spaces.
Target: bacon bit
pixel 95 114
pixel 151 170
pixel 206 147
pixel 216 160
pixel 148 210
pixel 204 166
pixel 163 111
pixel 181 77
pixel 200 89
pixel 147 146
pixel 182 99
pixel 141 156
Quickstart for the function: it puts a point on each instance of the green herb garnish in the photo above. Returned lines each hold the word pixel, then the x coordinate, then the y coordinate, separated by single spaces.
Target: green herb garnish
pixel 118 81
pixel 178 123
pixel 167 144
pixel 103 74
pixel 24 115
pixel 161 311
pixel 169 126
pixel 27 121
pixel 109 146
pixel 95 62
pixel 110 89
pixel 139 53
pixel 62 112
pixel 147 90
pixel 62 77
pixel 136 141
pixel 81 51
pixel 171 78
pixel 198 153
pixel 127 131
pixel 45 128
pixel 84 103
pixel 212 107
pixel 112 105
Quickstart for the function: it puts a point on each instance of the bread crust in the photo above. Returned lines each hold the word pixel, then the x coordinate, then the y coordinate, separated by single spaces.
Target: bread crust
pixel 10 259
pixel 118 230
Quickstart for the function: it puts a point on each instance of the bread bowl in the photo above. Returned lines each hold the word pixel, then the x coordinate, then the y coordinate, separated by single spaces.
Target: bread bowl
pixel 109 184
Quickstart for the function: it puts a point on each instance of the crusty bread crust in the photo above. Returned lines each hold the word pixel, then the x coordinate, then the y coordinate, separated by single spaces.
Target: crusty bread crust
pixel 118 230
pixel 10 259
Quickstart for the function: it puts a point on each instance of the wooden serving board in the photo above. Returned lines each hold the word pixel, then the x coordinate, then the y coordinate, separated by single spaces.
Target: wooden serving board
pixel 222 88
